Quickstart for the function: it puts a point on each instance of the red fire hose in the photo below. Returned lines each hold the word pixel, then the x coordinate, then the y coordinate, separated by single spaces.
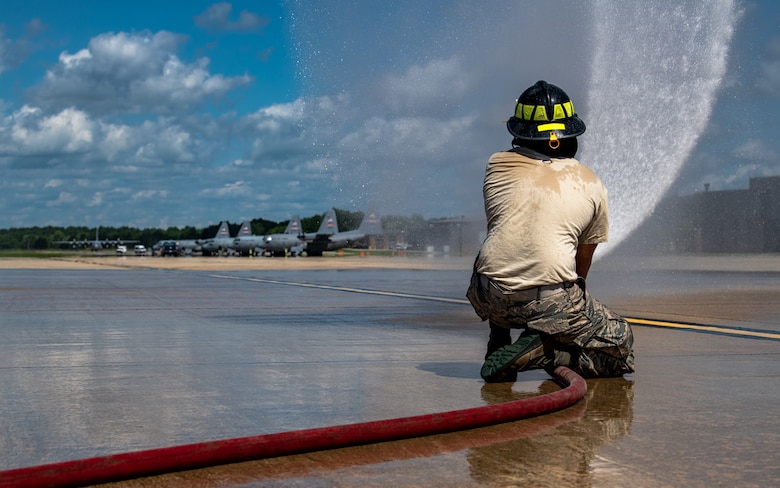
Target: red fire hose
pixel 118 467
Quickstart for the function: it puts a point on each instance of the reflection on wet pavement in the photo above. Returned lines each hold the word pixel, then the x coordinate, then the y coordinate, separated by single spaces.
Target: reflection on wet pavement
pixel 109 361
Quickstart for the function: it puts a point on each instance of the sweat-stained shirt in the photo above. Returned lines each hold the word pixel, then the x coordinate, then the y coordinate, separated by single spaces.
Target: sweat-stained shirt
pixel 538 211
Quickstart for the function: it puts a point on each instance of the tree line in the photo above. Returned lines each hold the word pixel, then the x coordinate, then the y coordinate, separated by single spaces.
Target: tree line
pixel 40 238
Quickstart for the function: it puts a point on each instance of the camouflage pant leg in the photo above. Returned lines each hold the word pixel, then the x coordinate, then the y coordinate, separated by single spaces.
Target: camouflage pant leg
pixel 588 337
pixel 599 342
pixel 608 347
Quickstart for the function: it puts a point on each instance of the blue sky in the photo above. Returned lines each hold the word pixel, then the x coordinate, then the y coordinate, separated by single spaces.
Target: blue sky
pixel 173 113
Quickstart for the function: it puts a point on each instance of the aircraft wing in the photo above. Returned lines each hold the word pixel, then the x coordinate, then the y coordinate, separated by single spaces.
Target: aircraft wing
pixel 119 242
pixel 74 242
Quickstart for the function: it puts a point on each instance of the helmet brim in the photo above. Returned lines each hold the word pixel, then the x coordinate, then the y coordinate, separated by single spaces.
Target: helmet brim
pixel 523 129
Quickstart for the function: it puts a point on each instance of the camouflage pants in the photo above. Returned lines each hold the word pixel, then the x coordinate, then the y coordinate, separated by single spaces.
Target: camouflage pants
pixel 586 336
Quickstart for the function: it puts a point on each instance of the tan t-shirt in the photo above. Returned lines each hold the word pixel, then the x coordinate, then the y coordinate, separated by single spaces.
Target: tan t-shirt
pixel 538 212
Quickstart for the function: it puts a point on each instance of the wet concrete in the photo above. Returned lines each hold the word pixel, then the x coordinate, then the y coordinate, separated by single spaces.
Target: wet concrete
pixel 96 362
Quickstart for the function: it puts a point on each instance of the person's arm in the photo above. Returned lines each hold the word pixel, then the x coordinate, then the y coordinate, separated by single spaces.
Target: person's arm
pixel 584 258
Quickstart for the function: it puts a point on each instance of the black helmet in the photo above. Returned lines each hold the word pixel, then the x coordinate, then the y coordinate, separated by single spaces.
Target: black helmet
pixel 544 112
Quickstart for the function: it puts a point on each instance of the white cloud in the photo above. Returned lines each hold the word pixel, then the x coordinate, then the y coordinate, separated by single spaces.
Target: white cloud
pixel 63 198
pixel 116 140
pixel 756 150
pixel 436 87
pixel 217 18
pixel 149 195
pixel 166 143
pixel 277 119
pixel 13 52
pixel 138 72
pixel 29 131
pixel 237 188
pixel 4 52
pixel 769 77
pixel 738 178
pixel 97 200
pixel 414 137
pixel 279 132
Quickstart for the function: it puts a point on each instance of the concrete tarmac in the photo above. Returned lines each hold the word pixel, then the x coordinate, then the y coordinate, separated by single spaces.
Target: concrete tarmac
pixel 115 355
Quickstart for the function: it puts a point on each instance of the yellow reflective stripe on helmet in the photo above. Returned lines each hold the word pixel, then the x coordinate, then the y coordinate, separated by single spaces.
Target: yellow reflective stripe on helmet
pixel 542 127
pixel 560 112
pixel 539 112
pixel 569 108
pixel 524 112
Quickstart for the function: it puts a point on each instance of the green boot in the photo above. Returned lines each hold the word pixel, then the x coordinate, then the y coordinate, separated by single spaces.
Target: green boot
pixel 528 352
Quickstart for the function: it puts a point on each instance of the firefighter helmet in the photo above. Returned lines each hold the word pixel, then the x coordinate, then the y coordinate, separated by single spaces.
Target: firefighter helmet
pixel 544 112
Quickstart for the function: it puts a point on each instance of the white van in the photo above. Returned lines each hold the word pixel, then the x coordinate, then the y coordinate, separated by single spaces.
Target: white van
pixel 121 250
pixel 140 249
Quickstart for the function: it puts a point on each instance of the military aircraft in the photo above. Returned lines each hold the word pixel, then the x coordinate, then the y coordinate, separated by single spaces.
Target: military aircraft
pixel 332 241
pixel 187 246
pixel 328 226
pixel 222 241
pixel 247 244
pixel 97 244
pixel 289 241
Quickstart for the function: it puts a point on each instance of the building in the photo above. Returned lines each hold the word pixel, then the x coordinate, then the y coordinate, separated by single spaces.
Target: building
pixel 727 221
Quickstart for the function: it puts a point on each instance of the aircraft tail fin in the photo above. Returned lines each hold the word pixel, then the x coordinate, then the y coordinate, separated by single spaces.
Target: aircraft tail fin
pixel 329 224
pixel 245 229
pixel 223 231
pixel 371 224
pixel 294 227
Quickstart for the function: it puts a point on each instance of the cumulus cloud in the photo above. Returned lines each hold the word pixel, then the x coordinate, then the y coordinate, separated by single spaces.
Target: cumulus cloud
pixel 276 131
pixel 756 150
pixel 63 198
pixel 97 199
pixel 4 52
pixel 149 195
pixel 13 52
pixel 435 87
pixel 769 78
pixel 236 188
pixel 136 73
pixel 737 178
pixel 164 141
pixel 420 136
pixel 293 133
pixel 30 131
pixel 217 18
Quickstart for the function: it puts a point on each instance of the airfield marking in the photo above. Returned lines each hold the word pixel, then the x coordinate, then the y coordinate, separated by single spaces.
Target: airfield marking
pixel 716 329
pixel 706 328
pixel 347 289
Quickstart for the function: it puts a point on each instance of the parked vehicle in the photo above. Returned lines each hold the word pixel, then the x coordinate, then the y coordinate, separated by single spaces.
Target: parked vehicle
pixel 169 248
pixel 140 249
